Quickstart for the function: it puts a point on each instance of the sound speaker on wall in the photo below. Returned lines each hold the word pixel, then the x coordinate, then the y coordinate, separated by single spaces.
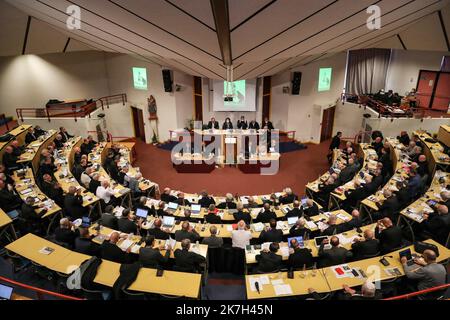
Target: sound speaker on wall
pixel 296 81
pixel 167 79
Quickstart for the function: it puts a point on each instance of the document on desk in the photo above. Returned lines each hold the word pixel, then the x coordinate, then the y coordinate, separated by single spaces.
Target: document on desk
pixel 282 289
pixel 311 225
pixel 126 244
pixel 322 226
pixel 277 282
pixel 254 212
pixel 284 251
pixel 252 282
pixel 343 217
pixel 244 200
pixel 229 227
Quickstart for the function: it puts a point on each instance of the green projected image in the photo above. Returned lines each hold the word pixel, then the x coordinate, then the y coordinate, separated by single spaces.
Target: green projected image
pixel 324 79
pixel 237 89
pixel 140 78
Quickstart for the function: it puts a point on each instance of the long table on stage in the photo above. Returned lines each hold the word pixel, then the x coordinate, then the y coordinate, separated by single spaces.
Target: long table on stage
pixel 229 148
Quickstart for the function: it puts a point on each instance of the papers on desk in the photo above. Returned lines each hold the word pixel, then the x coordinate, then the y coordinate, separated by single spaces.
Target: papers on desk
pixel 262 280
pixel 343 217
pixel 99 239
pixel 244 200
pixel 229 227
pixel 46 250
pixel 25 191
pixel 258 227
pixel 342 271
pixel 343 240
pixel 126 244
pixel 152 202
pixel 284 251
pixel 136 248
pixel 393 272
pixel 322 225
pixel 278 194
pixel 118 211
pixel 265 246
pixel 311 225
pixel 171 242
pixel 254 212
pixel 282 289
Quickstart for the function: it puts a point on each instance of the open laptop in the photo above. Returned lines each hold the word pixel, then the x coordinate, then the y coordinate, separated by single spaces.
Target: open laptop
pixel 5 292
pixel 318 242
pixel 172 207
pixel 409 258
pixel 195 208
pixel 168 222
pixel 299 240
pixel 85 222
pixel 292 220
pixel 141 213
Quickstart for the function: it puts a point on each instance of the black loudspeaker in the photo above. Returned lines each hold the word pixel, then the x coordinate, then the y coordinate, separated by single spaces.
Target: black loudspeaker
pixel 296 81
pixel 167 79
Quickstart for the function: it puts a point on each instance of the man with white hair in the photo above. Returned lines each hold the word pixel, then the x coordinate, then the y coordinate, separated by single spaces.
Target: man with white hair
pixel 368 292
pixel 94 183
pixel 86 177
pixel 229 202
pixel 240 238
pixel 66 233
pixel 105 192
pixel 133 184
pixel 288 196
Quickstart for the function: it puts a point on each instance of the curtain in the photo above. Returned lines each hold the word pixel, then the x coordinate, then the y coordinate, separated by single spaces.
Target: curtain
pixel 367 70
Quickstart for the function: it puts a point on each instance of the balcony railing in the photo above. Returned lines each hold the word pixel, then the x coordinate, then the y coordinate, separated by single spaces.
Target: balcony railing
pixel 68 110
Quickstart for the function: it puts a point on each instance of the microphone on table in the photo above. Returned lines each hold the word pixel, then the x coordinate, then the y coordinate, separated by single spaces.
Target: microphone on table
pixel 257 286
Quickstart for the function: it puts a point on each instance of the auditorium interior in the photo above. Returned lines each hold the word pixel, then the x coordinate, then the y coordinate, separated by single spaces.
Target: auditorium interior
pixel 248 150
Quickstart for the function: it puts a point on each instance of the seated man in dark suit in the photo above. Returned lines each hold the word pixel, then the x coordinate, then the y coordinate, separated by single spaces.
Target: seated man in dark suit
pixel 182 201
pixel 353 197
pixel 229 202
pixel 242 123
pixel 84 244
pixel 354 223
pixel 438 224
pixel 206 200
pixel 288 197
pixel 367 246
pixel 311 209
pixel 212 216
pixel 388 208
pixel 300 257
pixel 297 211
pixel 9 159
pixel 65 135
pixel 108 219
pixel 299 230
pixel 253 125
pixel 334 256
pixel 65 234
pixel 390 236
pixel 271 234
pixel 52 190
pixel 333 227
pixel 110 251
pixel 126 224
pixel 213 124
pixel 94 183
pixel 266 214
pixel 269 261
pixel 31 136
pixel 185 260
pixel 213 241
pixel 241 215
pixel 167 197
pixel 73 203
pixel 325 189
pixel 186 232
pixel 151 257
pixel 157 232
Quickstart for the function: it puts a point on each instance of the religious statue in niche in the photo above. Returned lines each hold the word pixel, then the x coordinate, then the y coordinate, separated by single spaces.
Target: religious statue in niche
pixel 152 108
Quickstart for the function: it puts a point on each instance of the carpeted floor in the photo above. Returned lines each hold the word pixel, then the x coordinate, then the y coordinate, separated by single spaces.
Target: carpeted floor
pixel 296 170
